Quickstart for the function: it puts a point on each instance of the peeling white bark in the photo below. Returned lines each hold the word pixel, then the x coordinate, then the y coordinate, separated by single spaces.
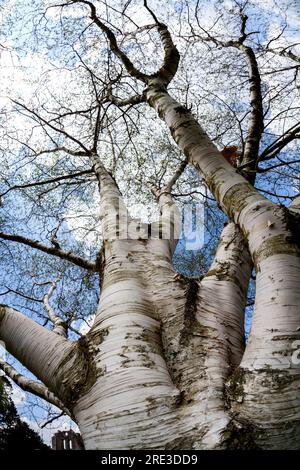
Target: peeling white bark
pixel 161 351
pixel 39 349
pixel 59 325
pixel 164 365
pixel 132 383
pixel 267 358
pixel 165 389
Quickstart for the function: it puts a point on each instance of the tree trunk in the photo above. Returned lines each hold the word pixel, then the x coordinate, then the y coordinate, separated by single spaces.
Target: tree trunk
pixel 264 390
pixel 161 350
pixel 165 365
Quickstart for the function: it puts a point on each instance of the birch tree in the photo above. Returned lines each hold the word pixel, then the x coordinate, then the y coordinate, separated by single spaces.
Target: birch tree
pixel 165 364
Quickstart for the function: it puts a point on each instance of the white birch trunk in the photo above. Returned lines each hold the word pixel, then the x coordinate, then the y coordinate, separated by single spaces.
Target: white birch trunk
pixel 267 380
pixel 162 349
pixel 164 365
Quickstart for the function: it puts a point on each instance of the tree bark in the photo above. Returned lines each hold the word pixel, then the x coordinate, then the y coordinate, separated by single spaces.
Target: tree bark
pixel 162 349
pixel 165 365
pixel 267 379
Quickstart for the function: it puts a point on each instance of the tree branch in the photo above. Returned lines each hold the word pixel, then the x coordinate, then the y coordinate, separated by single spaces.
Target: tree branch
pixel 256 127
pixel 285 53
pixel 46 181
pixel 67 255
pixel 85 152
pixel 29 385
pixel 171 57
pixel 272 150
pixel 49 421
pixel 40 350
pixel 60 326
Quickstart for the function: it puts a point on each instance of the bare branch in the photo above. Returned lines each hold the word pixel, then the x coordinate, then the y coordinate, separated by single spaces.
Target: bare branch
pixel 278 165
pixel 279 196
pixel 60 326
pixel 256 127
pixel 182 166
pixel 272 150
pixel 49 421
pixel 171 57
pixel 47 181
pixel 285 53
pixel 113 43
pixel 29 385
pixel 86 151
pixel 67 255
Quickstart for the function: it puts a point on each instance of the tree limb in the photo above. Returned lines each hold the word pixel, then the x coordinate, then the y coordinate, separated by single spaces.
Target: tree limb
pixel 46 181
pixel 29 385
pixel 272 150
pixel 285 53
pixel 113 42
pixel 40 350
pixel 85 151
pixel 60 326
pixel 132 100
pixel 171 57
pixel 256 126
pixel 67 255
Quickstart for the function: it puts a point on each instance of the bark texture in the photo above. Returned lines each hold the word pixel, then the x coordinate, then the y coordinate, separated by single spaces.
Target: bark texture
pixel 269 380
pixel 165 365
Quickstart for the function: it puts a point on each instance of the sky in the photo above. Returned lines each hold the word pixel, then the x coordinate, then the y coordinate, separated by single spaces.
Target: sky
pixel 25 72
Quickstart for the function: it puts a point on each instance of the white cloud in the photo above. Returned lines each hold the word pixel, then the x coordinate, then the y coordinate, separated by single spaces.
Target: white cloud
pixel 284 10
pixel 17 395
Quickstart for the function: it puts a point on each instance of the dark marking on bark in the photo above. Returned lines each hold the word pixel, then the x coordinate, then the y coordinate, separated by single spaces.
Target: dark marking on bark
pixel 181 110
pixel 98 336
pixel 275 245
pixel 84 372
pixel 293 224
pixel 192 289
pixel 242 433
pixel 240 436
pixel 100 265
pixel 90 374
pixel 234 388
pixel 236 197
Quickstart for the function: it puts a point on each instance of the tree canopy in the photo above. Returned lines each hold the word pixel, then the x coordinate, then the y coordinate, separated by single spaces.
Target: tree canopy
pixel 83 86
